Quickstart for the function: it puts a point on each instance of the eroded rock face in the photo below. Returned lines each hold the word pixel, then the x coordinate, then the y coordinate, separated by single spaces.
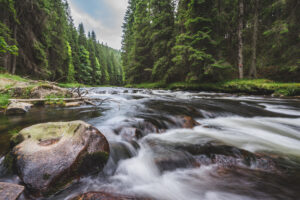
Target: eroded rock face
pixel 49 156
pixel 10 191
pixel 18 108
pixel 106 196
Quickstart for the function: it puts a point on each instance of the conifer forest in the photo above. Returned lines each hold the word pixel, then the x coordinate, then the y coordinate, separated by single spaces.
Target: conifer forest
pixel 149 99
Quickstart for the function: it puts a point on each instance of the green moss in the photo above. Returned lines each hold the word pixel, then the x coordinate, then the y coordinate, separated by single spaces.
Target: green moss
pixel 9 163
pixel 16 139
pixel 14 131
pixel 50 130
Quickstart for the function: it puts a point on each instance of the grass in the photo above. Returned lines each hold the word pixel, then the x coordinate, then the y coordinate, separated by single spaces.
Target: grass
pixel 13 77
pixel 147 85
pixel 4 100
pixel 257 86
pixel 76 85
pixel 54 99
pixel 72 85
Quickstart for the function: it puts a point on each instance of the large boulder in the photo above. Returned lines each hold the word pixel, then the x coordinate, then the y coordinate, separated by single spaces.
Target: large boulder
pixel 47 157
pixel 18 108
pixel 9 191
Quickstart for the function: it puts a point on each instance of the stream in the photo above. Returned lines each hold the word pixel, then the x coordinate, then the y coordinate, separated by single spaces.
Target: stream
pixel 242 147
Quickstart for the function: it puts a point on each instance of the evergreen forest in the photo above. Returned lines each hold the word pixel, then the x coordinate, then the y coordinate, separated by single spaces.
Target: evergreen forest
pixel 38 39
pixel 149 99
pixel 209 41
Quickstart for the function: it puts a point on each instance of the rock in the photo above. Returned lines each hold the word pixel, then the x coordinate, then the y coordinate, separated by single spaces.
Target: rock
pixel 10 191
pixel 45 90
pixel 20 91
pixel 167 158
pixel 106 196
pixel 18 108
pixel 171 156
pixel 49 156
pixel 189 122
pixel 130 133
pixel 226 156
pixel 73 104
pixel 113 92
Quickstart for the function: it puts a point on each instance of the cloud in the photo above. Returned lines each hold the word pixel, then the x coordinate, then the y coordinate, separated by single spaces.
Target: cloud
pixel 105 17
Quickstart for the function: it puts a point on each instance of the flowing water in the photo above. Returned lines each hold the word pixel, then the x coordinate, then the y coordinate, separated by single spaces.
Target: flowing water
pixel 243 147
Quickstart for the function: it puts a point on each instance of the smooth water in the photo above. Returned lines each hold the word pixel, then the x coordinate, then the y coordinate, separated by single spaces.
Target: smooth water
pixel 153 156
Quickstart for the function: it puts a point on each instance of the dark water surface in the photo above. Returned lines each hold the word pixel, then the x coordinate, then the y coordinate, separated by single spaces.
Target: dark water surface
pixel 244 148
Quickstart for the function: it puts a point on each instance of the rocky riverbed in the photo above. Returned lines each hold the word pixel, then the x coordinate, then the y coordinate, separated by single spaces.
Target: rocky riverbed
pixel 155 144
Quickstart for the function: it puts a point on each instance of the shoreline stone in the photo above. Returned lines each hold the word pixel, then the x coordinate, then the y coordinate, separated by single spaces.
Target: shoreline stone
pixel 18 108
pixel 49 156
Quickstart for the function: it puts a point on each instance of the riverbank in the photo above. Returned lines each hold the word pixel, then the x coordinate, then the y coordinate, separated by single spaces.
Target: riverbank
pixel 15 89
pixel 252 87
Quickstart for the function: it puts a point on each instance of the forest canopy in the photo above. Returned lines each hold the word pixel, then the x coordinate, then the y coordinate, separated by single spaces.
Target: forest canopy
pixel 211 40
pixel 38 38
pixel 168 41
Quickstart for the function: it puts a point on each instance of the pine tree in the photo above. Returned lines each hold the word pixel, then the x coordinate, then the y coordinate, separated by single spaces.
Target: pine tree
pixel 128 37
pixel 193 44
pixel 162 28
pixel 140 54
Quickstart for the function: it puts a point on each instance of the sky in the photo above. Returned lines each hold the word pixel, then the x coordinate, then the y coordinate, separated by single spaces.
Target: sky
pixel 105 17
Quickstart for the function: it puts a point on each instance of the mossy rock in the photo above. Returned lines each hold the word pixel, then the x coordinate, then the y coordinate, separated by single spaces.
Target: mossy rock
pixel 49 156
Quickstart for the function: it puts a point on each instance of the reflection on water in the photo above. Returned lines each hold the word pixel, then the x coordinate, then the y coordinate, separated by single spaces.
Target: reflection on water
pixel 244 147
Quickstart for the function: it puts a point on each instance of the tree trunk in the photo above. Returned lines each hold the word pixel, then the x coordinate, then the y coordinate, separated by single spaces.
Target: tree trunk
pixel 240 39
pixel 6 57
pixel 253 71
pixel 14 59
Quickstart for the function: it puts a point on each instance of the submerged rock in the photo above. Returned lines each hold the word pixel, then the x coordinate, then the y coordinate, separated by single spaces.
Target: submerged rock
pixel 18 108
pixel 106 196
pixel 189 122
pixel 10 191
pixel 171 156
pixel 49 156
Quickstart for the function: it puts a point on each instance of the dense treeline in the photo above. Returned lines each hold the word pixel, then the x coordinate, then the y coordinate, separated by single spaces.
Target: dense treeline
pixel 38 38
pixel 211 40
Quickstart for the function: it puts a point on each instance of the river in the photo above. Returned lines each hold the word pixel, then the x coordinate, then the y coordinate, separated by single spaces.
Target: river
pixel 242 148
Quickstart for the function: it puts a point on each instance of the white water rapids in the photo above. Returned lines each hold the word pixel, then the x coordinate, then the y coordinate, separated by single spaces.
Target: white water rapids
pixel 260 125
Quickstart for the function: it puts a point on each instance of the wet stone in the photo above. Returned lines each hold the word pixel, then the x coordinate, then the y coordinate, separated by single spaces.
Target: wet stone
pixel 18 108
pixel 10 191
pixel 189 122
pixel 50 156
